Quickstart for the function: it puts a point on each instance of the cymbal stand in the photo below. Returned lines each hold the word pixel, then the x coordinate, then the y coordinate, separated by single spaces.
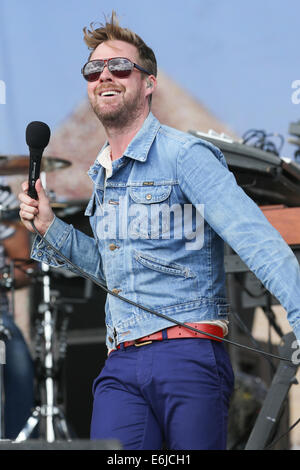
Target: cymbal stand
pixel 5 335
pixel 55 424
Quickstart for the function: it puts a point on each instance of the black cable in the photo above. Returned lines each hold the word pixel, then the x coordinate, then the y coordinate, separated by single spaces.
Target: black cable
pixel 248 292
pixel 161 315
pixel 246 330
pixel 262 140
pixel 282 435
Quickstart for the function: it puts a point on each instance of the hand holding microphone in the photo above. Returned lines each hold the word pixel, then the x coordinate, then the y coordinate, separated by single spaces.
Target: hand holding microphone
pixel 34 204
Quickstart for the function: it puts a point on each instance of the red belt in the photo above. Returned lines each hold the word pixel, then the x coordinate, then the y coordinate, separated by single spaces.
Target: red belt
pixel 178 332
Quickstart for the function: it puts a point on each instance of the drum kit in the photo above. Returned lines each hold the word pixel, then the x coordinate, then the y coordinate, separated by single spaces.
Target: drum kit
pixel 50 339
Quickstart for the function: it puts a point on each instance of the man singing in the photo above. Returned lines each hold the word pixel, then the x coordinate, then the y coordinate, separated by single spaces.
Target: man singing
pixel 163 204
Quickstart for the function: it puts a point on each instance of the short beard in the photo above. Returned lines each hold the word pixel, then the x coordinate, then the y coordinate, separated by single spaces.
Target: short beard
pixel 122 117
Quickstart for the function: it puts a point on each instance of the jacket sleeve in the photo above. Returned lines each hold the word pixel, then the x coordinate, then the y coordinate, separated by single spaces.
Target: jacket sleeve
pixel 79 248
pixel 205 179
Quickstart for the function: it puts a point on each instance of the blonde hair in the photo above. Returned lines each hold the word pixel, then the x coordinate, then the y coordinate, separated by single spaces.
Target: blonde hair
pixel 110 31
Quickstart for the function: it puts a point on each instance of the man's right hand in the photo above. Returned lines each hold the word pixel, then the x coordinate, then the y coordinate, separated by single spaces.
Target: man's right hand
pixel 38 210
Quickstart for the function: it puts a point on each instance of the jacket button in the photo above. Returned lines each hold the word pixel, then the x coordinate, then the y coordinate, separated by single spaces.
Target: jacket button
pixel 116 291
pixel 149 196
pixel 113 247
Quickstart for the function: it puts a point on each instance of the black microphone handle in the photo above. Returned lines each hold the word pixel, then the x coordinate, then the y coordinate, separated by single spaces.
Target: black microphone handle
pixel 34 171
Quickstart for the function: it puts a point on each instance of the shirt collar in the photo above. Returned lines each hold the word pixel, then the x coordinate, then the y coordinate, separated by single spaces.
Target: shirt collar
pixel 104 158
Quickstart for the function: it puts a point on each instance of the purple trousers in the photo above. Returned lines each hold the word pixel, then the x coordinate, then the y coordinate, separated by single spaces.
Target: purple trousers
pixel 172 393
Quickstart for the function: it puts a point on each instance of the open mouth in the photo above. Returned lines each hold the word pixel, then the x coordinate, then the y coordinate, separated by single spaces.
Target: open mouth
pixel 109 93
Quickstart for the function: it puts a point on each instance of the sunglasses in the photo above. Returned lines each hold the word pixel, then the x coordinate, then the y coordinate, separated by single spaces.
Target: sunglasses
pixel 120 67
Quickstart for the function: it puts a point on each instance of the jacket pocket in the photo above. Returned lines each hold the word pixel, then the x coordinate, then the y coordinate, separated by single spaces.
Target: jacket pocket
pixel 150 209
pixel 163 266
pixel 150 194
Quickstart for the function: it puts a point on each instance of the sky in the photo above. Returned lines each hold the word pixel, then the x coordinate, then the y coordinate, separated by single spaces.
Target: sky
pixel 239 58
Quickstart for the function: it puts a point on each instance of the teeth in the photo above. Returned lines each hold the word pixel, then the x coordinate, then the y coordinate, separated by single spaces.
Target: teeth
pixel 109 93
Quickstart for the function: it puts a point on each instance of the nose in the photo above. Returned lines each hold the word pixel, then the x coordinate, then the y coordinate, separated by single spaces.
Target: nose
pixel 105 75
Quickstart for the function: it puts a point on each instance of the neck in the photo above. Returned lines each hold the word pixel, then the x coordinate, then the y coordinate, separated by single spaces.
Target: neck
pixel 119 139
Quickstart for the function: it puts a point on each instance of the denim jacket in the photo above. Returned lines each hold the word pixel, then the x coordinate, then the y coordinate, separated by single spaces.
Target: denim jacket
pixel 159 224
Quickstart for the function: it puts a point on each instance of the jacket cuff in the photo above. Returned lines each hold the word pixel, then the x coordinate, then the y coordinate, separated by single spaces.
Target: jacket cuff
pixel 56 234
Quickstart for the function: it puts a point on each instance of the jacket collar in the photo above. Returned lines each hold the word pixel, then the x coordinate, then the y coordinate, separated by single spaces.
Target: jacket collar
pixel 138 148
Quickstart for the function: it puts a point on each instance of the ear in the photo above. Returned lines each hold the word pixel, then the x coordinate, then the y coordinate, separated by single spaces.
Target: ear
pixel 151 84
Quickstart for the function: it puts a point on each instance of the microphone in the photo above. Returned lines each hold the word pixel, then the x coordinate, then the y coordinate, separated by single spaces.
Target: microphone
pixel 37 138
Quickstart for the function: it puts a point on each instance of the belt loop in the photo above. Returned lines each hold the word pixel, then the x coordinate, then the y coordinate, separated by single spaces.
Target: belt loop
pixel 122 347
pixel 165 333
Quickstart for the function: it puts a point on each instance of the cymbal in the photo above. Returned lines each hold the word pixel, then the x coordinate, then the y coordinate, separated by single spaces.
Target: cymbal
pixel 77 203
pixel 19 165
pixel 61 208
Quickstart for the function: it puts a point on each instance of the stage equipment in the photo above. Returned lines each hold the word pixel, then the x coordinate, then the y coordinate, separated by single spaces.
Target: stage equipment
pixel 248 397
pixel 264 176
pixel 86 332
pixel 50 352
pixel 19 165
pixel 5 335
pixel 64 209
pixel 48 368
pixel 37 138
pixel 245 293
pixel 270 413
pixel 294 129
pixel 86 350
pixel 6 284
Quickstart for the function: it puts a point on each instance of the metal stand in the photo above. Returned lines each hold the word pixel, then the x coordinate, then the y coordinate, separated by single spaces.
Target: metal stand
pixel 242 300
pixel 4 336
pixel 55 425
pixel 270 414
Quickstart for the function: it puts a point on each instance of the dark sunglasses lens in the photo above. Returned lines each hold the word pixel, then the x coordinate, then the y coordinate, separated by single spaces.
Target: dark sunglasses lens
pixel 120 67
pixel 92 77
pixel 121 73
pixel 92 70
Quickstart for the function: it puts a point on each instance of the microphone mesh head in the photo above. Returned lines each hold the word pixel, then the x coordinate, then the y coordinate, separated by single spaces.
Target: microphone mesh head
pixel 37 135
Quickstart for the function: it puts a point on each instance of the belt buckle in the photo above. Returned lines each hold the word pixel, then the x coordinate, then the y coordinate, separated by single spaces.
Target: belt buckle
pixel 142 343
